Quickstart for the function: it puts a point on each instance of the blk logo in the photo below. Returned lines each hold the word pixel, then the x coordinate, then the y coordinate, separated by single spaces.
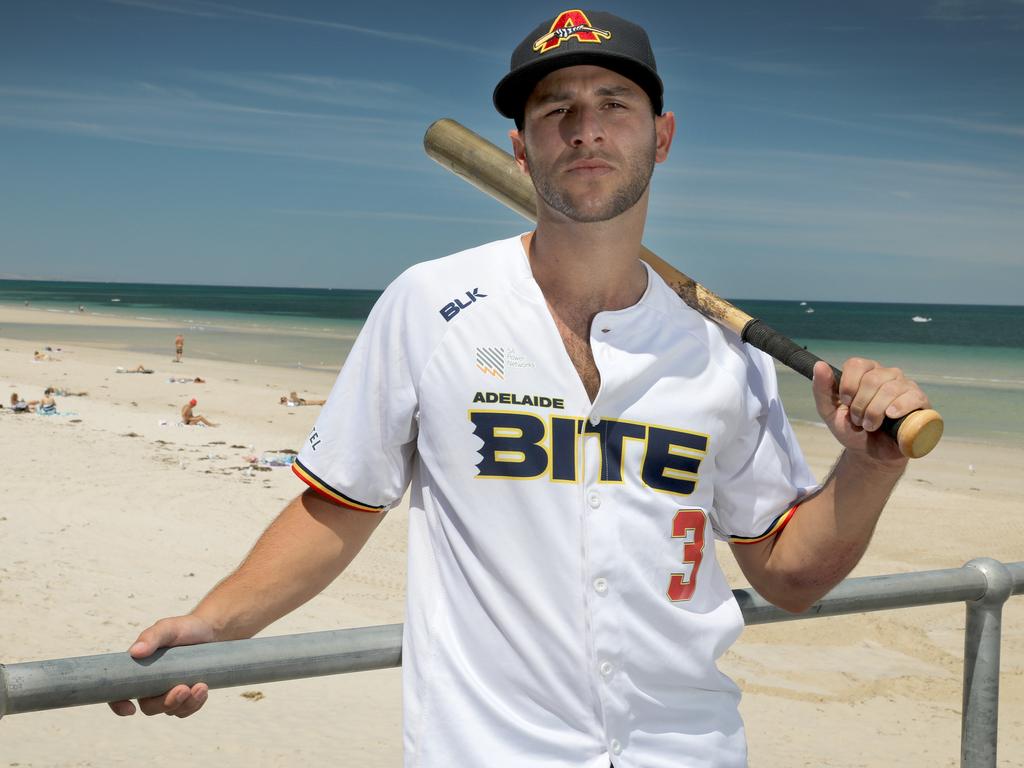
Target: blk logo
pixel 453 307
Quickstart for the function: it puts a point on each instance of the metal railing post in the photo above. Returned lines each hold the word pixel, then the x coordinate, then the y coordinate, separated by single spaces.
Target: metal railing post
pixel 980 720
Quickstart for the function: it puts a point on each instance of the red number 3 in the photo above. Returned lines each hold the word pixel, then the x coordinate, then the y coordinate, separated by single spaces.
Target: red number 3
pixel 687 525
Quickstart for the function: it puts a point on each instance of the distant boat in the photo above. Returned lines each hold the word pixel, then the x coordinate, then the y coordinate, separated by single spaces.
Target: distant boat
pixel 803 303
pixel 919 319
pixel 115 299
pixel 810 310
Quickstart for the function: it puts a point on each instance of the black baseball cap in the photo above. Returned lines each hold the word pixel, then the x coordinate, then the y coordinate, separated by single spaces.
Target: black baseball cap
pixel 578 37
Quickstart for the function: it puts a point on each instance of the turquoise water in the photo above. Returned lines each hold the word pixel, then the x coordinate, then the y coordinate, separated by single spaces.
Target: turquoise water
pixel 969 358
pixel 293 327
pixel 978 390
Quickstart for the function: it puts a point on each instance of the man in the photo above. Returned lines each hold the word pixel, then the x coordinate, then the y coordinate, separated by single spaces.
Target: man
pixel 573 437
pixel 179 347
pixel 190 419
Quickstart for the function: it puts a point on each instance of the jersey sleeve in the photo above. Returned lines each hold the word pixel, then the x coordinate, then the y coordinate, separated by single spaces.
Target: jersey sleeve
pixel 360 451
pixel 761 474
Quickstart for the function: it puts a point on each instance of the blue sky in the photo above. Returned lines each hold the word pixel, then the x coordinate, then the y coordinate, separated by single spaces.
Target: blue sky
pixel 866 151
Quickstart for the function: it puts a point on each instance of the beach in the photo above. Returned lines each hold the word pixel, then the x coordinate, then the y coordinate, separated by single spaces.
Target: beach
pixel 113 516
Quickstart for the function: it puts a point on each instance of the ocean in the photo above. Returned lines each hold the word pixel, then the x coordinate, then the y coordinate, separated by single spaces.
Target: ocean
pixel 969 358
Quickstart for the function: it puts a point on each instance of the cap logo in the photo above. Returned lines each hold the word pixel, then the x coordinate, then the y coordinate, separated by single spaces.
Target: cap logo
pixel 570 24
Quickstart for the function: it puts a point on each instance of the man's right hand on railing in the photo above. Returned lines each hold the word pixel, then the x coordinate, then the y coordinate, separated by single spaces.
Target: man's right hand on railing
pixel 302 551
pixel 181 700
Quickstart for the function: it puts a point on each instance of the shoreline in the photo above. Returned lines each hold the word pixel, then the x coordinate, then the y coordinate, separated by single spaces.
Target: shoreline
pixel 221 341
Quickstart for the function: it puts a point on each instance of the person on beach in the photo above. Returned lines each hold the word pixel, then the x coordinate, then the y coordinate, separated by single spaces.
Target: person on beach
pixel 22 406
pixel 293 400
pixel 565 606
pixel 62 392
pixel 179 347
pixel 190 419
pixel 48 405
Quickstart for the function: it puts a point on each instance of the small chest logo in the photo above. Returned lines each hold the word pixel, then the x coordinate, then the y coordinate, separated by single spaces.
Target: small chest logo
pixel 453 307
pixel 491 360
pixel 495 361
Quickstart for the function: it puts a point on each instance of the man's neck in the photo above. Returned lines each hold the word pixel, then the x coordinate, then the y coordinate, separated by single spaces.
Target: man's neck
pixel 589 265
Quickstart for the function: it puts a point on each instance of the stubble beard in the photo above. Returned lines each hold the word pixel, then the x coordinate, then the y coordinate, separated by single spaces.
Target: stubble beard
pixel 639 169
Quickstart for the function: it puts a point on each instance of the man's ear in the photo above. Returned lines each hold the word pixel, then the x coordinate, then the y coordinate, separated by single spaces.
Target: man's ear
pixel 664 130
pixel 519 150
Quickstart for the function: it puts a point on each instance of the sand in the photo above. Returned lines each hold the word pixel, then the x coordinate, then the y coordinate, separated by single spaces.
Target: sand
pixel 113 516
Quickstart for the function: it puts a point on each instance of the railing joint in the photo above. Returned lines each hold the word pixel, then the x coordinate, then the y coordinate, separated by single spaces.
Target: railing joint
pixel 998 580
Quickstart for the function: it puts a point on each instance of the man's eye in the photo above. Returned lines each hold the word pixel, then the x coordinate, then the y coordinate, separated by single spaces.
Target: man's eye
pixel 615 105
pixel 559 111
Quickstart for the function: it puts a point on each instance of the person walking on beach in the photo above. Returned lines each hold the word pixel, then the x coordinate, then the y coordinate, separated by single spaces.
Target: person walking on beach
pixel 574 438
pixel 190 419
pixel 179 347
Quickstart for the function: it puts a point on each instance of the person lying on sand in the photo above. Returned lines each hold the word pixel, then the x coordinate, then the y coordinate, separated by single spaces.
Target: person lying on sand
pixel 292 400
pixel 190 419
pixel 140 368
pixel 40 357
pixel 61 392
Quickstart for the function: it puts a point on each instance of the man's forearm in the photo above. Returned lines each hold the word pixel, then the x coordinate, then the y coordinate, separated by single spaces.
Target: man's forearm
pixel 300 553
pixel 830 532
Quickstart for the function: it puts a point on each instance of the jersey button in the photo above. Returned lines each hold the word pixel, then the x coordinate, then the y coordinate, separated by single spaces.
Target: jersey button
pixel 595 420
pixel 600 585
pixel 606 668
pixel 594 500
pixel 616 747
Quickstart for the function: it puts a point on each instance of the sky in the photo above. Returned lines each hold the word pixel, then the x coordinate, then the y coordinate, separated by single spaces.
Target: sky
pixel 858 151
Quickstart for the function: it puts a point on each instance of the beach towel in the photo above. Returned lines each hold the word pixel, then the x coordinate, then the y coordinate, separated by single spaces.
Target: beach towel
pixel 42 411
pixel 276 459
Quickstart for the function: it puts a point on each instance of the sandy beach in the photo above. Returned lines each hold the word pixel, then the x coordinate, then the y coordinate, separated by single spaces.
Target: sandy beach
pixel 112 516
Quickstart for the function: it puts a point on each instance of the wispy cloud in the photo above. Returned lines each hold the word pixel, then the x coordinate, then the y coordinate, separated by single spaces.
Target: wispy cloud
pixel 331 91
pixel 1016 130
pixel 956 10
pixel 147 113
pixel 770 63
pixel 181 8
pixel 222 10
pixel 397 216
pixel 1007 12
pixel 903 126
pixel 938 212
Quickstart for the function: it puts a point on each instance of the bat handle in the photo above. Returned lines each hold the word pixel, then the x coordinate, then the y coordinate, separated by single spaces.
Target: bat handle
pixel 916 433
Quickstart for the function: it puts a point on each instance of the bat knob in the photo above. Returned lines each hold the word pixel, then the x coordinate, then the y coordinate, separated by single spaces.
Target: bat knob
pixel 918 432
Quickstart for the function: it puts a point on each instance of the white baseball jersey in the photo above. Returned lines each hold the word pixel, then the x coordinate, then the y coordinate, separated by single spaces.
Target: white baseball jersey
pixel 564 607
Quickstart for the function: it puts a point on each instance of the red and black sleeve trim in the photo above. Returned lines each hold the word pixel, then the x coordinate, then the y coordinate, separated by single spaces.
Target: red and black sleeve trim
pixel 329 493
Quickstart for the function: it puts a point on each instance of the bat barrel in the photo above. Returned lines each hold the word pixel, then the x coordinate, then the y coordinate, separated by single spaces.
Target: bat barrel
pixel 484 165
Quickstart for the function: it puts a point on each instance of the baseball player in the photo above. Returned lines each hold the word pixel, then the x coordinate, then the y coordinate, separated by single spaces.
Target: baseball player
pixel 573 439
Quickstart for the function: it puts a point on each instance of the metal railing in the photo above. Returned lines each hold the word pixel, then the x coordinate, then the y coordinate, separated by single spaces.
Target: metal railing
pixel 983 584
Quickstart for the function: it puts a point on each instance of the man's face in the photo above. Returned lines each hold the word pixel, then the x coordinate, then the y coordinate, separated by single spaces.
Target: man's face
pixel 590 142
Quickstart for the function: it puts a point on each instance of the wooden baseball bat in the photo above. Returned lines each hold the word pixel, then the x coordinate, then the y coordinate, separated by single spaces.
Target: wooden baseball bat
pixel 495 172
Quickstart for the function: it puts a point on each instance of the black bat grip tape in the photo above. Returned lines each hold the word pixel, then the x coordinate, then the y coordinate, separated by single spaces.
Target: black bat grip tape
pixel 793 356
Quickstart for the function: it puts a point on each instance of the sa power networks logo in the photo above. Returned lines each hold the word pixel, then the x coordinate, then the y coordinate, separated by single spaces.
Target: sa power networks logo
pixel 495 361
pixel 570 24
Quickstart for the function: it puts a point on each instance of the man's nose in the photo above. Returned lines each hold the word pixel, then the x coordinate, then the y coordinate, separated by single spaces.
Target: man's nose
pixel 585 127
